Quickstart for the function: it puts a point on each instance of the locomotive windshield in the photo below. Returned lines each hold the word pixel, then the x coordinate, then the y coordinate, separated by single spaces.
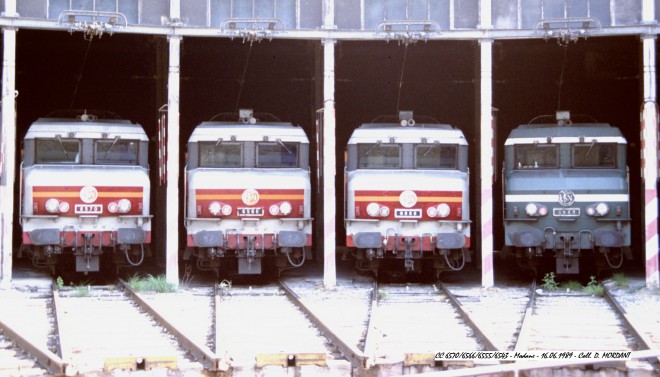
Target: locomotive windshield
pixel 116 152
pixel 379 156
pixel 57 151
pixel 536 156
pixel 220 155
pixel 594 155
pixel 436 156
pixel 277 155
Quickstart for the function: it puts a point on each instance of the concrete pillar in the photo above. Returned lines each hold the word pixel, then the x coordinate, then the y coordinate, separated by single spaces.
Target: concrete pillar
pixel 486 163
pixel 649 145
pixel 649 162
pixel 172 190
pixel 8 148
pixel 329 157
pixel 486 149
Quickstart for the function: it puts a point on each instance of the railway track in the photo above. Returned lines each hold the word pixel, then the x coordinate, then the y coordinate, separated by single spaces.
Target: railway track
pixel 359 328
pixel 585 322
pixel 28 341
pixel 394 326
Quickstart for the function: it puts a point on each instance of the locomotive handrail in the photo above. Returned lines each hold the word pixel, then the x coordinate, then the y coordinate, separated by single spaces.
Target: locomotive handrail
pixel 520 219
pixel 39 216
pixel 605 220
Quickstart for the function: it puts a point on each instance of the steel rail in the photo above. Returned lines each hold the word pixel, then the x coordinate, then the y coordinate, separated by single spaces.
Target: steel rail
pixel 490 346
pixel 526 326
pixel 53 363
pixel 203 354
pixel 368 341
pixel 643 340
pixel 62 340
pixel 350 352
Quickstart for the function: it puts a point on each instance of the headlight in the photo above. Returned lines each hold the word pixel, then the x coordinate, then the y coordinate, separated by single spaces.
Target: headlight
pixel 52 205
pixel 373 209
pixel 113 207
pixel 274 210
pixel 124 205
pixel 534 209
pixel 384 211
pixel 602 209
pixel 530 209
pixel 63 207
pixel 431 211
pixel 226 210
pixel 285 208
pixel 443 210
pixel 214 208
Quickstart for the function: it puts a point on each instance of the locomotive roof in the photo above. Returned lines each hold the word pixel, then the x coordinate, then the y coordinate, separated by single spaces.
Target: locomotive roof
pixel 50 127
pixel 431 132
pixel 212 131
pixel 575 133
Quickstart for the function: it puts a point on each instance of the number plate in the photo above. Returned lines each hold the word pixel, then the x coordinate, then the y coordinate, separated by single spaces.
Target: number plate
pixel 565 212
pixel 401 213
pixel 88 209
pixel 250 211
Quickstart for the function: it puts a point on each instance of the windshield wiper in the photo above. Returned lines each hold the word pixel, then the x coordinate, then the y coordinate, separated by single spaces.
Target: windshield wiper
pixel 372 148
pixel 66 154
pixel 111 146
pixel 593 142
pixel 279 141
pixel 430 149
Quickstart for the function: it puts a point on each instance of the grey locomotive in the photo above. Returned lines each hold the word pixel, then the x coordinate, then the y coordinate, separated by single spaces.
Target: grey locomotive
pixel 566 194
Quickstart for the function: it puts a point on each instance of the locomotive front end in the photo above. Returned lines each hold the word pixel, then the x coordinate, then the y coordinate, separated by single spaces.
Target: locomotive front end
pixel 85 188
pixel 248 196
pixel 566 195
pixel 407 197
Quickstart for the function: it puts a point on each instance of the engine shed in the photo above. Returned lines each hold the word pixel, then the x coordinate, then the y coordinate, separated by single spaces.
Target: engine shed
pixel 330 65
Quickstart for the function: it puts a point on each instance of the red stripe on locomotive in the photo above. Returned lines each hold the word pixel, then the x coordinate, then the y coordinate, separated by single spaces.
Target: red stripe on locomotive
pixel 425 199
pixel 234 198
pixel 71 195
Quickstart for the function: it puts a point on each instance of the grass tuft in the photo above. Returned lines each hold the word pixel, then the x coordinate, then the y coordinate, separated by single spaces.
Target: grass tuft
pixel 151 283
pixel 594 287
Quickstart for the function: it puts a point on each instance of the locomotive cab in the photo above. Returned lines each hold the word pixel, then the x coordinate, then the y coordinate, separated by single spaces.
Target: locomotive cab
pixel 407 196
pixel 247 194
pixel 85 188
pixel 566 194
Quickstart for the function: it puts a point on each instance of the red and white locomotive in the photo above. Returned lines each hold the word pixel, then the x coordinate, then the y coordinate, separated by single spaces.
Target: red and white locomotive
pixel 85 191
pixel 407 198
pixel 247 193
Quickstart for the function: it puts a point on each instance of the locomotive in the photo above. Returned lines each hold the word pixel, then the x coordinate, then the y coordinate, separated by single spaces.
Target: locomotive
pixel 85 191
pixel 407 196
pixel 566 194
pixel 248 194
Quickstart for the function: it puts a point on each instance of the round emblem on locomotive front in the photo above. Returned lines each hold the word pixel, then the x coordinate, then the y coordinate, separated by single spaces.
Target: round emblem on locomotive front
pixel 250 197
pixel 408 198
pixel 89 194
pixel 566 198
